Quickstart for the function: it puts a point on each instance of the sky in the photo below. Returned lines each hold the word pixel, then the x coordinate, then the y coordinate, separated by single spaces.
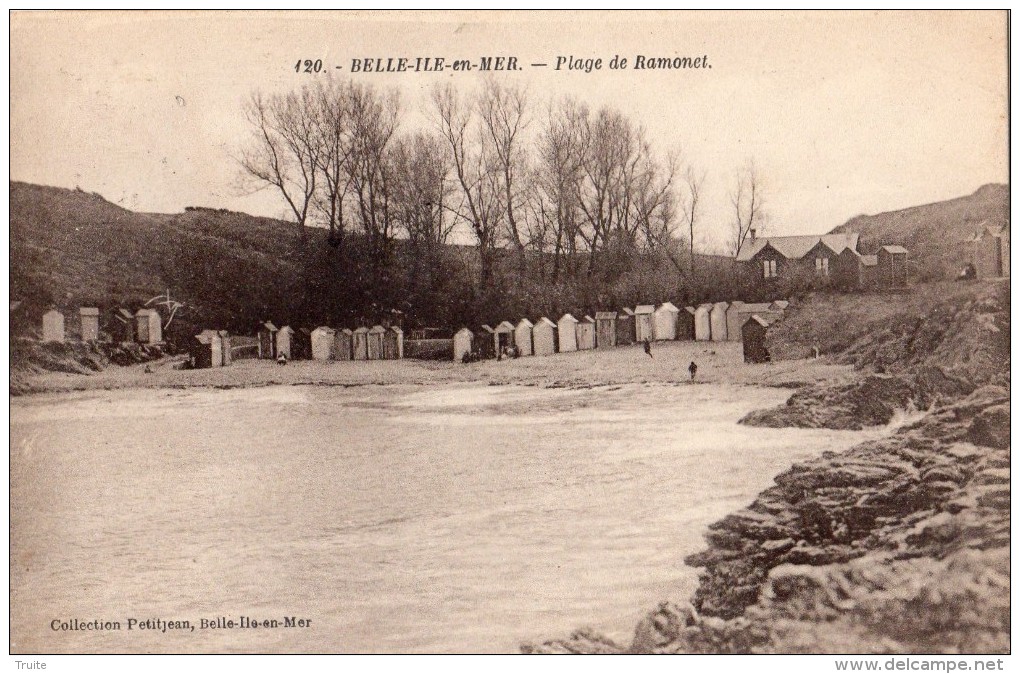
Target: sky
pixel 843 113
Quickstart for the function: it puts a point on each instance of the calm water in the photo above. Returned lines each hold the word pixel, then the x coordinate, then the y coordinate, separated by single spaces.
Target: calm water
pixel 461 518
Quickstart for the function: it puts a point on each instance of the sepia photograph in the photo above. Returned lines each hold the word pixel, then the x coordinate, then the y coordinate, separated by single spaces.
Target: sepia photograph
pixel 510 332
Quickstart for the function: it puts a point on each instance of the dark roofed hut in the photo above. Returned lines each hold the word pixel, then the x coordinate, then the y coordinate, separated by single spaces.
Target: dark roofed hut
pixel 485 342
pixel 267 340
pixel 504 336
pixel 685 324
pixel 625 327
pixel 753 334
pixel 301 348
pixel 605 329
pixel 393 343
pixel 892 266
pixel 201 349
pixel 343 346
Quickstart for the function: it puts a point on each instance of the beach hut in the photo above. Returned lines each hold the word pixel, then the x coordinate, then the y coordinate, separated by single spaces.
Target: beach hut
pixel 124 325
pixel 89 324
pixel 703 323
pixel 393 343
pixel 343 344
pixel 201 349
pixel 149 326
pixel 323 343
pixel 225 353
pixel 267 340
pixel 733 321
pixel 566 329
pixel 585 333
pixel 53 326
pixel 504 336
pixel 685 324
pixel 462 344
pixel 644 322
pixel 718 321
pixel 210 339
pixel 522 337
pixel 301 344
pixel 666 317
pixel 375 342
pixel 485 342
pixel 892 266
pixel 605 329
pixel 545 337
pixel 360 344
pixel 285 342
pixel 753 334
pixel 625 326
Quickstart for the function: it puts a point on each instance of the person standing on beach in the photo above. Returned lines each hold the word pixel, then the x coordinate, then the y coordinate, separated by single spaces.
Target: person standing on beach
pixel 693 369
pixel 648 347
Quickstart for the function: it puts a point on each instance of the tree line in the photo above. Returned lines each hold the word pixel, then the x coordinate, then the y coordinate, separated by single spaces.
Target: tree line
pixel 568 207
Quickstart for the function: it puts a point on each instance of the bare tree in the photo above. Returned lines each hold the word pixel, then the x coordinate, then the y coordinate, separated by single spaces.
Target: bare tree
pixel 374 120
pixel 422 191
pixel 748 200
pixel 503 113
pixel 285 149
pixel 335 137
pixel 694 181
pixel 475 173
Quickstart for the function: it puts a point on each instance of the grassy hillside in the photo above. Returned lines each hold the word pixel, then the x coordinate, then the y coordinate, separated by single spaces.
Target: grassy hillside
pixel 934 233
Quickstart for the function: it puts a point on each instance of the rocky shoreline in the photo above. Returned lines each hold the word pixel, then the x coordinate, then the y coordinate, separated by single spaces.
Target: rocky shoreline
pixel 899 545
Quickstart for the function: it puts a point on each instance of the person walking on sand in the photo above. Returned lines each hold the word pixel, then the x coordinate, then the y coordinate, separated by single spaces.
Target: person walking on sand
pixel 693 369
pixel 648 347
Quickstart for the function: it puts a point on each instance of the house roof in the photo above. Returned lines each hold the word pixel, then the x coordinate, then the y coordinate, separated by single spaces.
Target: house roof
pixel 526 323
pixel 895 250
pixel 89 311
pixel 377 330
pixel 269 326
pixel 465 330
pixel 796 247
pixel 361 331
pixel 587 319
pixel 323 328
pixel 346 331
pixel 782 304
pixel 287 328
pixel 545 321
pixel 720 305
pixel 605 315
pixel 505 326
pixel 668 306
pixel 485 327
pixel 690 310
pixel 644 309
pixel 567 317
pixel 397 329
pixel 123 313
pixel 869 260
pixel 627 311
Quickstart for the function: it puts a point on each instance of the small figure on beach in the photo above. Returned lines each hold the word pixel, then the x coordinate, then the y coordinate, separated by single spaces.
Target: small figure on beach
pixel 282 359
pixel 693 369
pixel 648 347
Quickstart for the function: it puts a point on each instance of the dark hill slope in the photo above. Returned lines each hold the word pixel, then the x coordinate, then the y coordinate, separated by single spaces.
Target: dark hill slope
pixel 934 233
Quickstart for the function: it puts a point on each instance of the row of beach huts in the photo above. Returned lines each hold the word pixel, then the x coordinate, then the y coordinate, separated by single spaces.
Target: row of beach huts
pixel 144 326
pixel 721 321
